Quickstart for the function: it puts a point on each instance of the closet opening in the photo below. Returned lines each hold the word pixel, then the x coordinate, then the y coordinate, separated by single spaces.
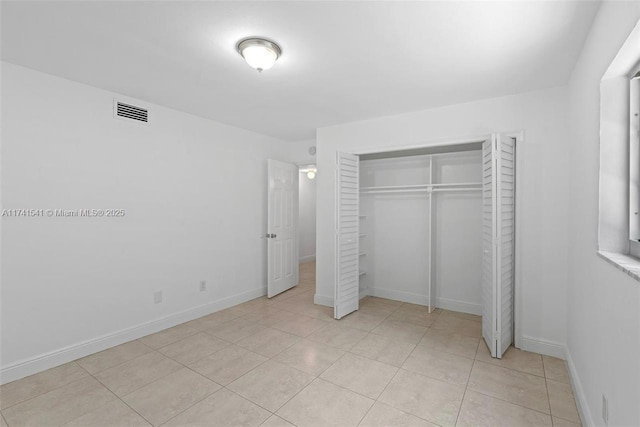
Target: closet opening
pixel 432 226
pixel 421 220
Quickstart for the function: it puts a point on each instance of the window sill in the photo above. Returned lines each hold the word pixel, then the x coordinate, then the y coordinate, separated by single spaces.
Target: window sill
pixel 626 263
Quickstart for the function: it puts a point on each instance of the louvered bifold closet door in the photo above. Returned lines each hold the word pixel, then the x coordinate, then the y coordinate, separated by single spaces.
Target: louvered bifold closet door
pixel 498 238
pixel 347 257
pixel 488 247
pixel 505 204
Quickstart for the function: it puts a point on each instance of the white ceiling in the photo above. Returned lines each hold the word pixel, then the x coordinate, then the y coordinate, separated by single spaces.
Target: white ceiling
pixel 341 62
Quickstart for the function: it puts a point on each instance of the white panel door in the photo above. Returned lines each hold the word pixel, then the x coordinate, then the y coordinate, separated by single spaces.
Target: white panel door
pixel 282 230
pixel 347 235
pixel 498 238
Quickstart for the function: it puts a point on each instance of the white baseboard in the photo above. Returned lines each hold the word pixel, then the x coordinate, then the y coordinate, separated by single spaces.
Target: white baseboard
pixel 542 346
pixel 363 293
pixel 307 258
pixel 67 354
pixel 461 306
pixel 444 303
pixel 399 296
pixel 578 393
pixel 323 300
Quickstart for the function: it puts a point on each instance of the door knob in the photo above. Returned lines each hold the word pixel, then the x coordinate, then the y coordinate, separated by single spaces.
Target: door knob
pixel 273 236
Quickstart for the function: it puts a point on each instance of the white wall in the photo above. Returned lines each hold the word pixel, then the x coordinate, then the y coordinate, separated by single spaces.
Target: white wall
pixel 307 219
pixel 603 332
pixel 544 188
pixel 194 192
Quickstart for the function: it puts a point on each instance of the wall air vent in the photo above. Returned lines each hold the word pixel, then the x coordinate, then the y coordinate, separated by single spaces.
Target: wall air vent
pixel 131 112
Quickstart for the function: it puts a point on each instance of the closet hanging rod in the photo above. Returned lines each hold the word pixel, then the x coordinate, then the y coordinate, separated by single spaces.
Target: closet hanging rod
pixel 457 184
pixel 420 190
pixel 443 190
pixel 421 186
pixel 396 187
pixel 397 190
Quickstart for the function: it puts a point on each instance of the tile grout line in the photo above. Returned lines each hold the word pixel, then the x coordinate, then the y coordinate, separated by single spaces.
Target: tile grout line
pixel 397 409
pixel 507 368
pixel 437 379
pixel 158 379
pixel 507 401
pixel 466 387
pixel 292 397
pixel 246 373
pixel 330 382
pixel 48 391
pixel 110 391
pixel 343 388
pixel 191 406
pixel 135 358
pixel 151 350
pixel 310 382
pixel 292 367
pixel 190 369
pixel 196 331
pixel 205 397
pixel 381 393
pixel 262 363
pixel 248 400
pixel 117 397
pixel 546 382
pixel 203 357
pixel 512 403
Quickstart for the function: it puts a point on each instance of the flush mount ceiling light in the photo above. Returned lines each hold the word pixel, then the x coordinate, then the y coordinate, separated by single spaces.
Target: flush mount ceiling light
pixel 310 170
pixel 260 54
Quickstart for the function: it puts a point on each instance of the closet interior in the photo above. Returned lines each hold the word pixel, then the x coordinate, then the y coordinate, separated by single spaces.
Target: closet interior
pixel 421 227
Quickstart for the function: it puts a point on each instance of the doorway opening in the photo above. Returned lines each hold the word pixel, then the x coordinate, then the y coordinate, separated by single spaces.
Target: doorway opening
pixel 307 221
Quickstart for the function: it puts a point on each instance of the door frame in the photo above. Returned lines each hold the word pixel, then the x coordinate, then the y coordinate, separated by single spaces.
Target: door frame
pixel 519 136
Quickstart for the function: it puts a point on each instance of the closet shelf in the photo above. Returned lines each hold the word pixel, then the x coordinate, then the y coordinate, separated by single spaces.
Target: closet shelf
pixel 363 235
pixel 362 273
pixel 395 187
pixel 363 254
pixel 422 188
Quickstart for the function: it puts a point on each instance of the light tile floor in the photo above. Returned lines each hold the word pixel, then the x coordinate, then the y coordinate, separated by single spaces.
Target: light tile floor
pixel 285 361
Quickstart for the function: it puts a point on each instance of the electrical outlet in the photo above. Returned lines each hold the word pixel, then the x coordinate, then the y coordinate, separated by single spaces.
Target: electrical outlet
pixel 605 410
pixel 157 297
pixel 203 285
